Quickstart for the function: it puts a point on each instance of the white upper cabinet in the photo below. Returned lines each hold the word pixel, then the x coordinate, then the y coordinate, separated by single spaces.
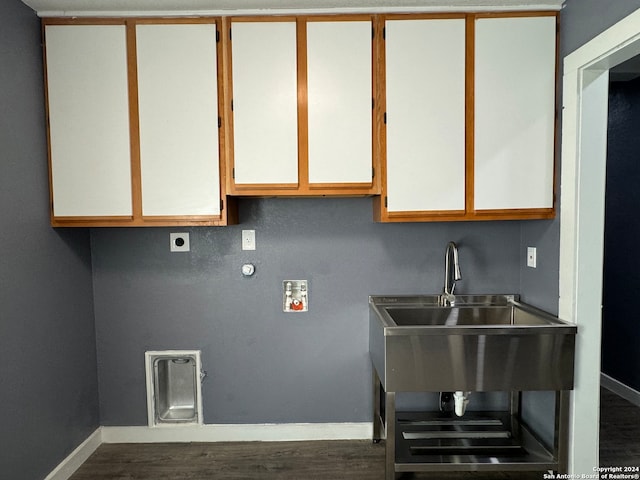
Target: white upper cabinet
pixel 265 102
pixel 301 97
pixel 88 107
pixel 425 105
pixel 515 81
pixel 339 75
pixel 178 119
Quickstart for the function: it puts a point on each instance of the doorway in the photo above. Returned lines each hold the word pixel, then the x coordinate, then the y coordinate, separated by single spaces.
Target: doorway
pixel 584 132
pixel 620 330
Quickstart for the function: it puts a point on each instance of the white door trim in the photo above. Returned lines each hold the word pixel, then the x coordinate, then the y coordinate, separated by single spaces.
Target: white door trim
pixel 585 92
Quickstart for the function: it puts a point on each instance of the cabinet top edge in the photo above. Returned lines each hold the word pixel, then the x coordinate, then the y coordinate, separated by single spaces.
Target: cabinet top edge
pixel 48 10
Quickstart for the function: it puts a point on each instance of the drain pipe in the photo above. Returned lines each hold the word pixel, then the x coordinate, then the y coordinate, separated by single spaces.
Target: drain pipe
pixel 461 400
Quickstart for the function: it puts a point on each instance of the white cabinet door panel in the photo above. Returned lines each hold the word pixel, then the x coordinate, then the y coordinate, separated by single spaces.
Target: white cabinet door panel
pixel 88 120
pixel 425 78
pixel 339 101
pixel 178 105
pixel 265 102
pixel 515 73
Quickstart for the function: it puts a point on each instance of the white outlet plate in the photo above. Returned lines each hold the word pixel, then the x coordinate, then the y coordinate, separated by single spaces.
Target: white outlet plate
pixel 248 239
pixel 531 257
pixel 179 242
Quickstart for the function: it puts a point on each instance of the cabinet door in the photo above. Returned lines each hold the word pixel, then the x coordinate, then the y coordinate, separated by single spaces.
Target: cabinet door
pixel 515 71
pixel 178 115
pixel 339 88
pixel 265 107
pixel 88 107
pixel 425 100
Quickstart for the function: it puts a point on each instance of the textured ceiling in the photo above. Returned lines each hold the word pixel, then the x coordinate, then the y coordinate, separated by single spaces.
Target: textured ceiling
pixel 216 7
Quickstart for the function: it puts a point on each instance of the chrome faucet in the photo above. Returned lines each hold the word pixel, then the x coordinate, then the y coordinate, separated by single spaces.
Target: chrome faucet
pixel 450 277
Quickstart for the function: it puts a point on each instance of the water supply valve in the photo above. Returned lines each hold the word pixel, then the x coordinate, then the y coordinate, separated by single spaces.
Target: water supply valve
pixel 295 296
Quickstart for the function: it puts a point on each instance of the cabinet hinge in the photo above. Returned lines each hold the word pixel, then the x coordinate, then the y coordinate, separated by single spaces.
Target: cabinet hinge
pixel 373 172
pixel 233 173
pixel 229 33
pixel 373 33
pixel 217 36
pixel 221 205
pixel 373 103
pixel 386 202
pixel 219 122
pixel 232 104
pixel 384 33
pixel 385 118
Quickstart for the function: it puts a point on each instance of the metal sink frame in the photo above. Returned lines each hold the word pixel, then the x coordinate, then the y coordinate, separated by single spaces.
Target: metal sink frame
pixel 480 343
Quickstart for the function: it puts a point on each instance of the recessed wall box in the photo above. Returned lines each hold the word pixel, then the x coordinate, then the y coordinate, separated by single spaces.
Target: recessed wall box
pixel 295 296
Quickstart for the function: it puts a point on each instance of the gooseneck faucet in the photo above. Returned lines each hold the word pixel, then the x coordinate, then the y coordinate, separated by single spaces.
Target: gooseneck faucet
pixel 451 275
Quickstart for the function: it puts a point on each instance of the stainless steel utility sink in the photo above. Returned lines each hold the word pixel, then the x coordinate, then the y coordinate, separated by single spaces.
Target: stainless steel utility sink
pixel 480 343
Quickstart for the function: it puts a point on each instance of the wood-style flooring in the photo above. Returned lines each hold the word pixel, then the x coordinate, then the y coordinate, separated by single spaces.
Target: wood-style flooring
pixel 619 431
pixel 321 460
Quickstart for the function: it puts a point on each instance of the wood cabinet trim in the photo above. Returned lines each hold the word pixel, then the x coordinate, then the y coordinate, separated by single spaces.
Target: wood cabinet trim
pixel 470 113
pixel 228 214
pixel 134 123
pixel 303 103
pixel 523 14
pixel 303 187
pixel 380 212
pixel 423 16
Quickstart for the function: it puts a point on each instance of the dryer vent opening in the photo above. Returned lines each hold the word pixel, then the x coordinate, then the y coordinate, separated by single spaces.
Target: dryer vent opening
pixel 173 387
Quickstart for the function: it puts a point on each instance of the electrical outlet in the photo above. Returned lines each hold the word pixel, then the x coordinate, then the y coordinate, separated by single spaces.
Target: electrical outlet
pixel 179 242
pixel 248 239
pixel 531 257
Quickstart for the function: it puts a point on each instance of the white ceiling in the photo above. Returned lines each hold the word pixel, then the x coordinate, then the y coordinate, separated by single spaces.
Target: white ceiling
pixel 225 7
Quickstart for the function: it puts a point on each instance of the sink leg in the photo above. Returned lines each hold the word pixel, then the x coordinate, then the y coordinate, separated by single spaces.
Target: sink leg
pixel 377 415
pixel 515 402
pixel 390 429
pixel 562 430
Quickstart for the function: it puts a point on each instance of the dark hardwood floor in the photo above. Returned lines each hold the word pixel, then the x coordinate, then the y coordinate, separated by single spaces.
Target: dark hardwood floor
pixel 619 431
pixel 325 460
pixel 322 460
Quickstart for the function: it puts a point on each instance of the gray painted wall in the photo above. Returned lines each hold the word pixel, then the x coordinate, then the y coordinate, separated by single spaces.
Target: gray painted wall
pixel 265 365
pixel 580 21
pixel 48 380
pixel 583 20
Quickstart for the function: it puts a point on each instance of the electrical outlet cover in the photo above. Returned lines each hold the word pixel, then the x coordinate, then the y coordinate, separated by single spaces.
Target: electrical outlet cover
pixel 248 239
pixel 531 257
pixel 179 242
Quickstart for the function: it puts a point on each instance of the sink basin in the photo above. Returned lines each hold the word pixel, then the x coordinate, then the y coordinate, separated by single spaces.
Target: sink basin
pixel 450 316
pixel 481 343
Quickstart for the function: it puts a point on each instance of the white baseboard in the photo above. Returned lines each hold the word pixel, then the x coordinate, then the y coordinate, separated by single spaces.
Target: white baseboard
pixel 239 433
pixel 620 388
pixel 210 433
pixel 76 458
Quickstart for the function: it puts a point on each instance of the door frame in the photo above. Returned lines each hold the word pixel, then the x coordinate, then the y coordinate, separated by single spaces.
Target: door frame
pixel 583 173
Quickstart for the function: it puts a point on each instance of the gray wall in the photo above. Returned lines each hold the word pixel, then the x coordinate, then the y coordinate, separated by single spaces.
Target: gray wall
pixel 48 381
pixel 265 365
pixel 583 20
pixel 580 21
